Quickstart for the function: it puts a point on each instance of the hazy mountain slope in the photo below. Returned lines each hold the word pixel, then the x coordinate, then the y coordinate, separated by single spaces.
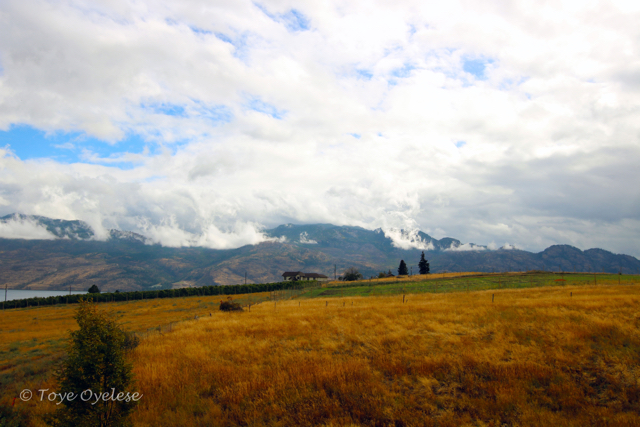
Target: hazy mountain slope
pixel 125 262
pixel 58 264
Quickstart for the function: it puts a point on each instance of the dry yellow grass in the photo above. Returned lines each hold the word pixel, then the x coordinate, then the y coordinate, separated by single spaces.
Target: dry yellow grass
pixel 533 357
pixel 32 339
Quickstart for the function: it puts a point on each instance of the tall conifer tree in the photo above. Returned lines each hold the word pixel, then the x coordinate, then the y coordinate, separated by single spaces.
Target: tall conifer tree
pixel 423 265
pixel 402 270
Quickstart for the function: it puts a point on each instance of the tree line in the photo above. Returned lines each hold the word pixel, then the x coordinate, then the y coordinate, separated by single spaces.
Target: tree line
pixel 164 293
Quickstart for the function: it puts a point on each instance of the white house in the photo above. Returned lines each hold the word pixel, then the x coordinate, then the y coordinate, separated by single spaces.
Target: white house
pixel 299 275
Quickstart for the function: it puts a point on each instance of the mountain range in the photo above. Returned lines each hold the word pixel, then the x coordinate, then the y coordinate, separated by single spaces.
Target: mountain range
pixel 73 258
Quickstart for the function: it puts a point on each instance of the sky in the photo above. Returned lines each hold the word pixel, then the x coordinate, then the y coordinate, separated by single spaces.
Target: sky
pixel 206 122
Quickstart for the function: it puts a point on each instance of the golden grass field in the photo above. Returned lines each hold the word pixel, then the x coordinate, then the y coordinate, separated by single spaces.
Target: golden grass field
pixel 533 357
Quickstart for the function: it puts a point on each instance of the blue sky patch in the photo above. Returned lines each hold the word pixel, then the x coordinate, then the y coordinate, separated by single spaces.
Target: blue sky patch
pixel 356 135
pixel 364 74
pixel 200 31
pixel 400 73
pixel 167 109
pixel 477 67
pixel 218 114
pixel 460 144
pixel 225 38
pixel 293 20
pixel 256 104
pixel 67 147
pixel 239 41
pixel 403 72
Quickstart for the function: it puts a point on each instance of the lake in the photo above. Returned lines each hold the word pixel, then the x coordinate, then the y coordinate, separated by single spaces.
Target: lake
pixel 13 294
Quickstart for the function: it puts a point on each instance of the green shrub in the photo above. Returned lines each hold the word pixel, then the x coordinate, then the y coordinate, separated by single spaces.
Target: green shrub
pixel 95 361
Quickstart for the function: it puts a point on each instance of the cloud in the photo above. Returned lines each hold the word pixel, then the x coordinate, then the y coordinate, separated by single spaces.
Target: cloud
pixel 24 229
pixel 304 238
pixel 169 233
pixel 407 239
pixel 486 122
pixel 466 247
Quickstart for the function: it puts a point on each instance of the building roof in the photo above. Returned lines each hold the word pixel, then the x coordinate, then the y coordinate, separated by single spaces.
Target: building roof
pixel 301 274
pixel 292 273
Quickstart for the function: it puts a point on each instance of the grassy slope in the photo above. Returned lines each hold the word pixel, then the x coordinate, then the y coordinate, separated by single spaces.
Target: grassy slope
pixel 532 357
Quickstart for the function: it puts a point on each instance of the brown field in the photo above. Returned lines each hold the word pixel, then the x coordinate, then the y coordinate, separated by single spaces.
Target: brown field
pixel 533 357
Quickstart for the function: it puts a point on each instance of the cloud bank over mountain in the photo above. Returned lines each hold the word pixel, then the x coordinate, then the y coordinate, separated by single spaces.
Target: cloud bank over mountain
pixel 202 124
pixel 27 229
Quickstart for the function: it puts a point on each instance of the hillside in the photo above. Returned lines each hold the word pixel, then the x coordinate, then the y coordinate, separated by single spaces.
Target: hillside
pixel 126 261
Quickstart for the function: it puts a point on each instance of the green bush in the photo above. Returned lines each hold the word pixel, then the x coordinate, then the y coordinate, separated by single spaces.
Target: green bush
pixel 95 361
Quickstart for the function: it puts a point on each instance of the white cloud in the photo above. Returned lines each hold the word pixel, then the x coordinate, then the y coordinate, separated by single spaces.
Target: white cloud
pixel 550 127
pixel 304 238
pixel 407 239
pixel 24 229
pixel 466 247
pixel 169 233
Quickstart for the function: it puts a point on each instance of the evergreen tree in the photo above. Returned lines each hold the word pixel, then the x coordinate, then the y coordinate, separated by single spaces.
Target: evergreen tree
pixel 94 290
pixel 402 269
pixel 95 361
pixel 423 265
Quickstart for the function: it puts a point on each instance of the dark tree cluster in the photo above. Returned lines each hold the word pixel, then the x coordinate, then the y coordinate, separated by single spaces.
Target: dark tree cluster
pixel 351 274
pixel 403 270
pixel 229 305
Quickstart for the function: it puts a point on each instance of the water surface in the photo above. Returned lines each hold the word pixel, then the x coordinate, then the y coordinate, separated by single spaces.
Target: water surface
pixel 13 294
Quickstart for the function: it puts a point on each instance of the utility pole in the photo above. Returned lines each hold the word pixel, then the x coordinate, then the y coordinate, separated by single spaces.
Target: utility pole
pixel 335 272
pixel 245 277
pixel 5 295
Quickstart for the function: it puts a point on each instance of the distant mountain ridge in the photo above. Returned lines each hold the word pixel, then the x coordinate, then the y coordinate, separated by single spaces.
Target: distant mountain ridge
pixel 329 235
pixel 127 261
pixel 71 229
